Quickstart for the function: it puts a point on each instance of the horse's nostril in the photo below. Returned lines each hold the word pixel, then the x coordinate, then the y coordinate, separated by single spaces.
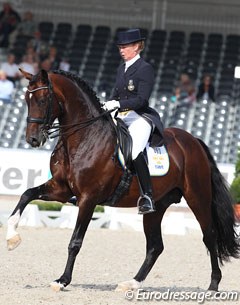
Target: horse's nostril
pixel 33 142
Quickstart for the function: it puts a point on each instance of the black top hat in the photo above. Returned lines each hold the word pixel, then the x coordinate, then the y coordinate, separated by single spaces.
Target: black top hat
pixel 129 36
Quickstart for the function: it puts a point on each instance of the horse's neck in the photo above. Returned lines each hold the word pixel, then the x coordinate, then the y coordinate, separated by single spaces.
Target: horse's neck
pixel 78 108
pixel 95 140
pixel 79 113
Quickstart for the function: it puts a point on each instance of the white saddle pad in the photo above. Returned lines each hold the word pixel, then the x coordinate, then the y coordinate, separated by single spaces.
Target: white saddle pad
pixel 158 160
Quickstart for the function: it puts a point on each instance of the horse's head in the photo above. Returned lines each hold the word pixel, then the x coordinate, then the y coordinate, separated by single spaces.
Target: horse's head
pixel 39 98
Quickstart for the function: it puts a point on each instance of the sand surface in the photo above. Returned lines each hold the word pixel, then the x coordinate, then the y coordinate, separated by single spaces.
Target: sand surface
pixel 106 258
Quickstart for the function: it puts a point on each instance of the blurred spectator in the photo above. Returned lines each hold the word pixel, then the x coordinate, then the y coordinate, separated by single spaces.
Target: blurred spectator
pixel 9 19
pixel 53 58
pixel 64 64
pixel 45 64
pixel 28 26
pixel 30 51
pixel 11 68
pixel 206 89
pixel 28 64
pixel 25 30
pixel 40 46
pixel 185 91
pixel 6 88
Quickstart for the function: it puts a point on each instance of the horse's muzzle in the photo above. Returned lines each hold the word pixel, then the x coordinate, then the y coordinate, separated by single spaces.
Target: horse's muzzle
pixel 36 141
pixel 33 142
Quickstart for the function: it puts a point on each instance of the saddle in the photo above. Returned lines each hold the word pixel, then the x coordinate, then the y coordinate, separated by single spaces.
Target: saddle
pixel 158 156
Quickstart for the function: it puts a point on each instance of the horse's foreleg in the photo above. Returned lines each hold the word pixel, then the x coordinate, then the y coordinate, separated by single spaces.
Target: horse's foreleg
pixel 13 238
pixel 45 192
pixel 84 216
pixel 152 230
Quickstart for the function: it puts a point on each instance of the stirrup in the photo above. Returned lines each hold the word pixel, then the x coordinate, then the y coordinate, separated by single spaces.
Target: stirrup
pixel 150 205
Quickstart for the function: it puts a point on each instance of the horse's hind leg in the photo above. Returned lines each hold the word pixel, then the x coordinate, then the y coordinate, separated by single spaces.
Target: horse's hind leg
pixel 209 239
pixel 204 216
pixel 154 247
pixel 198 195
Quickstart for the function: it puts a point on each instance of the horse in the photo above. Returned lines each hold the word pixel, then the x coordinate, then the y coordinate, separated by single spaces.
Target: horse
pixel 84 164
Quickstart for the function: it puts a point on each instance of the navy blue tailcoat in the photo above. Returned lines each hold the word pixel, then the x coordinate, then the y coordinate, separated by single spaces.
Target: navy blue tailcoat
pixel 133 89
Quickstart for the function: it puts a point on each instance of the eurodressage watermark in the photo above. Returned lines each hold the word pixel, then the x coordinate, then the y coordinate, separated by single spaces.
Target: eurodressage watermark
pixel 200 297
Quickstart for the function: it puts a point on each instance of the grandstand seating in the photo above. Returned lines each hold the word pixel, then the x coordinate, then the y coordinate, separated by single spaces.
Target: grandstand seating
pixel 97 48
pixel 46 29
pixel 62 37
pixel 79 45
pixel 93 54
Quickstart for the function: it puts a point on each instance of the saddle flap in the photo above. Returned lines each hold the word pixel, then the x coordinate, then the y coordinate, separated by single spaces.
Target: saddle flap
pixel 125 141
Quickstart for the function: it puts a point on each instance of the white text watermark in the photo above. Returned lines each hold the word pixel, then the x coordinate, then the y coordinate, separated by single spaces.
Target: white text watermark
pixel 199 296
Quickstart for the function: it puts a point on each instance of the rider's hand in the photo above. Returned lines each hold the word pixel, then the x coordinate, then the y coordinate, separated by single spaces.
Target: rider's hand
pixel 111 105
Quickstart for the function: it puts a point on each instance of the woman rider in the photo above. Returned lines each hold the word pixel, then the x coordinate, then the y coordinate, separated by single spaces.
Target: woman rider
pixel 134 84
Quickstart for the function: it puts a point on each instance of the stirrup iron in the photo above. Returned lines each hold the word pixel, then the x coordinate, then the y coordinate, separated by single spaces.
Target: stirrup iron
pixel 151 204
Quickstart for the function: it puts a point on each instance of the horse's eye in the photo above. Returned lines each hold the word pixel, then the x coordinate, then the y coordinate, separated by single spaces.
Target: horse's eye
pixel 41 102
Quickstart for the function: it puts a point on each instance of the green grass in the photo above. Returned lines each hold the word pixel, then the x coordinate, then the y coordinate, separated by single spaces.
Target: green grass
pixel 56 206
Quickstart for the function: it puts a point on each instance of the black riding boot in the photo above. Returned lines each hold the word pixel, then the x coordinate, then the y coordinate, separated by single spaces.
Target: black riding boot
pixel 145 201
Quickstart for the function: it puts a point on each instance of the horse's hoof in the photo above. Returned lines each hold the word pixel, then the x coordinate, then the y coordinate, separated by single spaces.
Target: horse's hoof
pixel 213 286
pixel 56 286
pixel 212 289
pixel 128 285
pixel 13 242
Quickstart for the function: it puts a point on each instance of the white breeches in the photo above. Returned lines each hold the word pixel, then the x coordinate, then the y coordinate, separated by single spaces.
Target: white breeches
pixel 139 130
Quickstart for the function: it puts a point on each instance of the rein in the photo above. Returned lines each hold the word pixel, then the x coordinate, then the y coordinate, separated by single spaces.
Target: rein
pixel 72 128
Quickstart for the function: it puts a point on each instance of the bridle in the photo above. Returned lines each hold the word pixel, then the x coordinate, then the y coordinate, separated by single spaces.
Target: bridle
pixel 49 129
pixel 39 88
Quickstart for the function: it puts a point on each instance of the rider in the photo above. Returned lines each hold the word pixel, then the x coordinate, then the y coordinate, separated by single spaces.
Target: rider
pixel 134 84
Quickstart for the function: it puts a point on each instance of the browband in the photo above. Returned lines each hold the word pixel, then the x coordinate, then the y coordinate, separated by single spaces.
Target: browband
pixel 39 88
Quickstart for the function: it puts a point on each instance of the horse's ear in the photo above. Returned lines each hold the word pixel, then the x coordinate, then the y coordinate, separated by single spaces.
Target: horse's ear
pixel 44 76
pixel 26 74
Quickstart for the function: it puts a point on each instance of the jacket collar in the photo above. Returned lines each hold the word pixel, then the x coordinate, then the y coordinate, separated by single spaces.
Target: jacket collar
pixel 133 67
pixel 129 63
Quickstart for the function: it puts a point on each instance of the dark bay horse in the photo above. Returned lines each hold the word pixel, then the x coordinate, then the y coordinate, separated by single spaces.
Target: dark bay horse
pixel 84 164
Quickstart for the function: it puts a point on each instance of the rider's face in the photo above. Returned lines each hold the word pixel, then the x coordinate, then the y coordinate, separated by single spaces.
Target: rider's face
pixel 128 51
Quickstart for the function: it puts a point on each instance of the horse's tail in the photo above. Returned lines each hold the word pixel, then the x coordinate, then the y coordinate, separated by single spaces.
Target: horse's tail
pixel 222 213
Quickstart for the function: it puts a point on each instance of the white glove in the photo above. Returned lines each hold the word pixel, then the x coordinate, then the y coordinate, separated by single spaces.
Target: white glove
pixel 111 105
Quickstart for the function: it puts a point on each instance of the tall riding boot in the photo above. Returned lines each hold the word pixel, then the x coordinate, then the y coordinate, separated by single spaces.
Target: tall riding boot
pixel 145 201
